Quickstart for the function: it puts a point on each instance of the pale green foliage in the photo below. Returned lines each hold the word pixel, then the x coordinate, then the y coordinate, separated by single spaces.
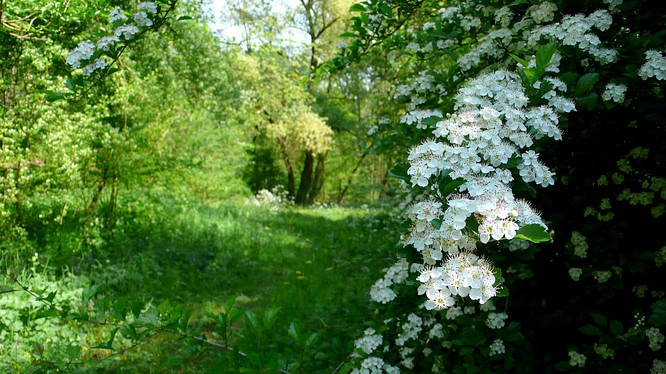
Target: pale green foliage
pixel 301 129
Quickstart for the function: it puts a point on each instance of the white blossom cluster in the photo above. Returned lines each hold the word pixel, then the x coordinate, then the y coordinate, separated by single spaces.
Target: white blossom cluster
pixel 658 367
pixel 655 338
pixel 654 66
pixel 275 198
pixel 575 273
pixel 369 342
pixel 497 347
pixel 381 291
pixel 463 274
pixel 576 30
pixel 576 359
pixel 579 242
pixel 602 276
pixel 492 124
pixel 614 92
pixel 496 320
pixel 375 365
pixel 88 55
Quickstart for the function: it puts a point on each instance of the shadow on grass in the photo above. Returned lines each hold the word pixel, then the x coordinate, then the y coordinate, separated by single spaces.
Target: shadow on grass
pixel 315 265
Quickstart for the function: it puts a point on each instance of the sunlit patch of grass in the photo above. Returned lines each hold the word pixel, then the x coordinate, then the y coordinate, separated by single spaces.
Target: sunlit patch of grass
pixel 314 265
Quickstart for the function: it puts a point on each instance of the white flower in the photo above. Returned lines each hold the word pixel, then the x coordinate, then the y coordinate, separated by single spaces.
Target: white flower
pixel 576 358
pixel 82 52
pixel 142 20
pixel 655 338
pixel 496 320
pixel 575 273
pixel 99 63
pixel 497 347
pixel 655 66
pixel 614 92
pixel 369 342
pixel 127 32
pixel 117 15
pixel 148 7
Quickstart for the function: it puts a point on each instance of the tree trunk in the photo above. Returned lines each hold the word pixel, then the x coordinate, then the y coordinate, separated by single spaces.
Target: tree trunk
pixel 306 179
pixel 318 181
pixel 341 197
pixel 291 182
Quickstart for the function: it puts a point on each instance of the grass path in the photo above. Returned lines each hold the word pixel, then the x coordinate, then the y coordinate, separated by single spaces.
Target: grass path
pixel 313 266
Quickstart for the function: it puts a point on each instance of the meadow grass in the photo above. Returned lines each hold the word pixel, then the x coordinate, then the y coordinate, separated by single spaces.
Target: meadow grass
pixel 311 267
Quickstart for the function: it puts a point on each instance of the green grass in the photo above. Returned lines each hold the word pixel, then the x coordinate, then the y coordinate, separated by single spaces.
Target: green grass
pixel 312 266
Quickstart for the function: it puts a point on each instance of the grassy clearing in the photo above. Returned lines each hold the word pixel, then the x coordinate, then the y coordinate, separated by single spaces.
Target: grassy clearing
pixel 308 269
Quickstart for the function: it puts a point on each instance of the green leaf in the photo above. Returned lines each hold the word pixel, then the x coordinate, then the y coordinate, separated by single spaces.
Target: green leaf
pixel 466 351
pixel 128 331
pixel 591 330
pixel 600 319
pixel 658 316
pixel 616 327
pixel 431 121
pixel 502 292
pixel 357 8
pixel 521 61
pixel 52 96
pixel 400 171
pixel 136 308
pixel 108 344
pixel 545 54
pixel 447 188
pixel 184 18
pixel 73 352
pixel 172 362
pixel 120 308
pixel 586 82
pixel 5 289
pixel 385 9
pixel 534 233
pixel 293 331
pixel 311 339
pixel 436 223
pixel 588 100
pixel 49 298
pixel 88 294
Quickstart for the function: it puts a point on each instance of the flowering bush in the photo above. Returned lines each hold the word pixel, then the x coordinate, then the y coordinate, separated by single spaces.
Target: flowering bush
pixel 493 84
pixel 275 198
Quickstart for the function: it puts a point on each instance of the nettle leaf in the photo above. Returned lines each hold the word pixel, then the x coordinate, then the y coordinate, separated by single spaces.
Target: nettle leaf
pixel 534 233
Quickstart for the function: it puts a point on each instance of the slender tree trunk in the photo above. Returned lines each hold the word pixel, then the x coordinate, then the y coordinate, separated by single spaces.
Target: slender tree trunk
pixel 306 179
pixel 291 181
pixel 341 197
pixel 318 181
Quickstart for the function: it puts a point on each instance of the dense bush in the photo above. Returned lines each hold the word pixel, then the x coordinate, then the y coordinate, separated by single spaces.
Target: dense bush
pixel 493 80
